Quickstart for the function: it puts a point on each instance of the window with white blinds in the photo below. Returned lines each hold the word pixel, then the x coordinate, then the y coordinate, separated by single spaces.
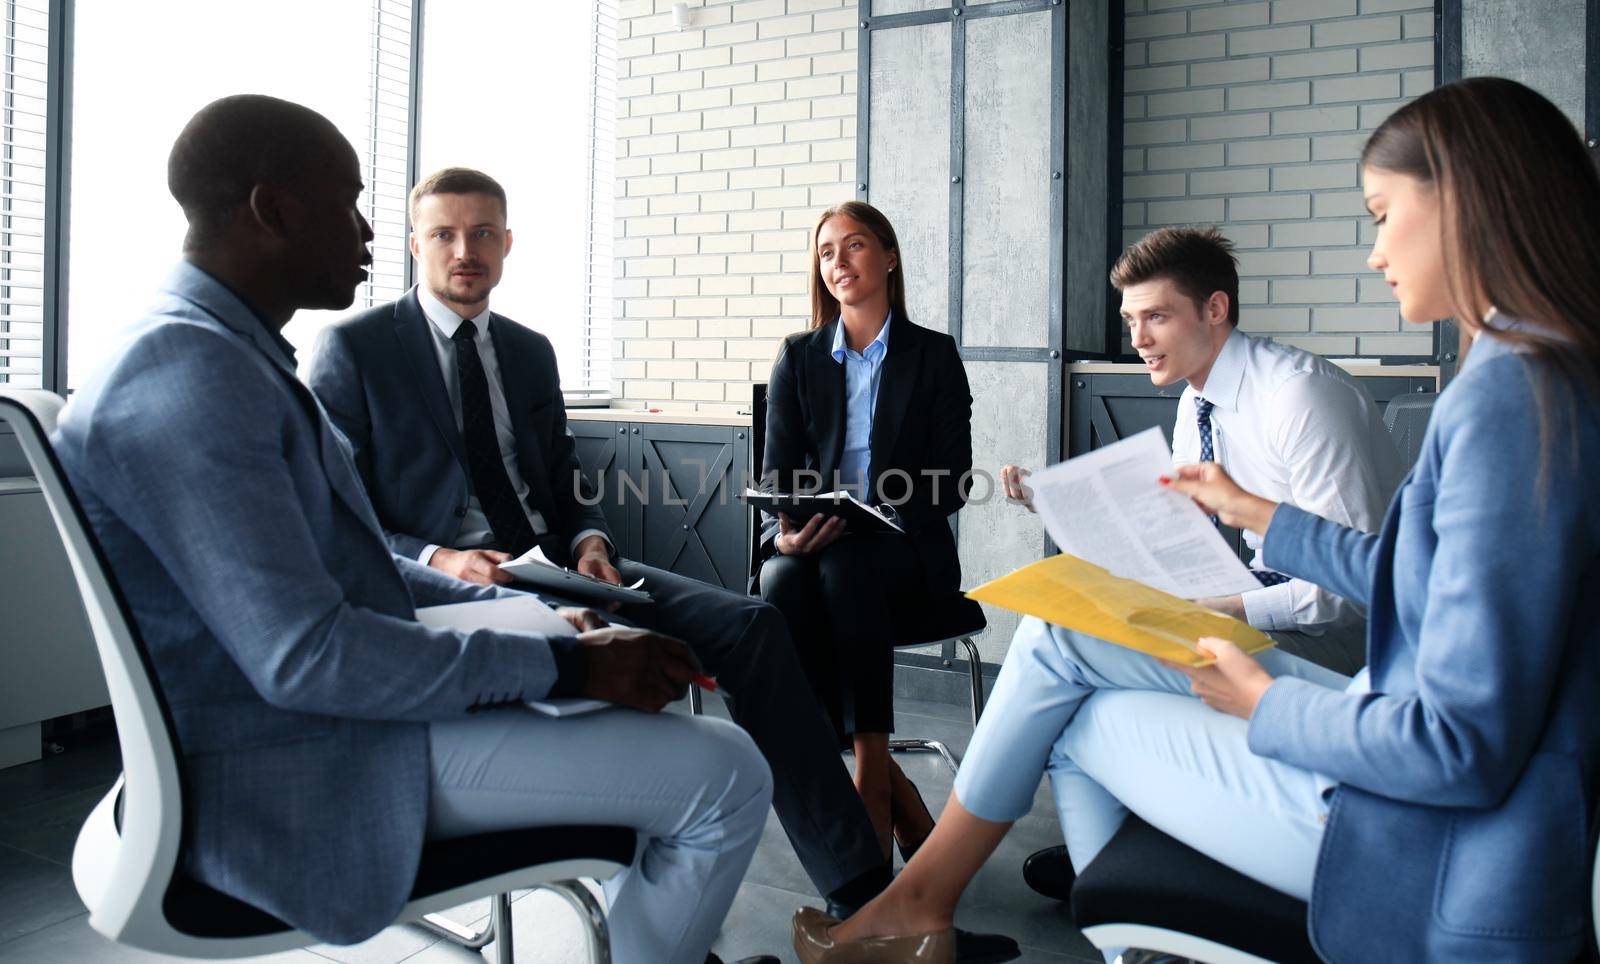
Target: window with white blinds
pixel 387 150
pixel 596 375
pixel 138 78
pixel 532 104
pixel 24 58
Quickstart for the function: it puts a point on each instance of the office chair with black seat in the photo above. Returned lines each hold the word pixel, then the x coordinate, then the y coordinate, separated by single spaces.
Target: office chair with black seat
pixel 126 863
pixel 1146 890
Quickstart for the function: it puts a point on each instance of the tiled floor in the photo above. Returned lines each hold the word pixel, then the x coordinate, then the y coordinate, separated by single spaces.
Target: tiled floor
pixel 42 921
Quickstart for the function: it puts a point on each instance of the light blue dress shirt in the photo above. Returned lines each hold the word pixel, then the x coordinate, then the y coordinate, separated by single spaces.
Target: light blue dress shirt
pixel 863 373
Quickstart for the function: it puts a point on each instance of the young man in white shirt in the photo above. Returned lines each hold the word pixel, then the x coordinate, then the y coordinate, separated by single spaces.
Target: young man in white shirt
pixel 1286 423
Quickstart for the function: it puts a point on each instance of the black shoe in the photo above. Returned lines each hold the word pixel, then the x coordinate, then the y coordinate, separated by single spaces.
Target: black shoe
pixel 1049 872
pixel 970 948
pixel 984 948
pixel 758 959
pixel 906 853
pixel 839 910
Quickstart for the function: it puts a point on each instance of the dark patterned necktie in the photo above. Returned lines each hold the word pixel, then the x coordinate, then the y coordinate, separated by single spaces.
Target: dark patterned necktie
pixel 485 462
pixel 1202 412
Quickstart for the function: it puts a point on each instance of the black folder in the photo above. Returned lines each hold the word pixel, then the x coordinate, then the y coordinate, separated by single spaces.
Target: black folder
pixel 858 517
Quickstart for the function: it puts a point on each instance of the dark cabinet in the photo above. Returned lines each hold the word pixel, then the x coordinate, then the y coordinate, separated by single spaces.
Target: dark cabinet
pixel 670 493
pixel 1114 405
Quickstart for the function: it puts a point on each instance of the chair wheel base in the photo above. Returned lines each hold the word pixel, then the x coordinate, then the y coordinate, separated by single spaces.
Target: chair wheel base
pixel 929 746
pixel 458 934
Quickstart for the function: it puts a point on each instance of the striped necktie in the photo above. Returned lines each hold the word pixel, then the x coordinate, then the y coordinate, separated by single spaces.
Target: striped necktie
pixel 1202 412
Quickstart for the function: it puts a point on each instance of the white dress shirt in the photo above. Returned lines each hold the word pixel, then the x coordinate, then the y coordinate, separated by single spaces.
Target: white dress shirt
pixel 1293 427
pixel 474 529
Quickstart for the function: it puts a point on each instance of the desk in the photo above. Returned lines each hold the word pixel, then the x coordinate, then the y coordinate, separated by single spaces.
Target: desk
pixel 48 663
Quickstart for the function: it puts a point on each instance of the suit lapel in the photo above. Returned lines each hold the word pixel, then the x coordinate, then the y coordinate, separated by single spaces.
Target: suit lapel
pixel 516 381
pixel 417 345
pixel 331 446
pixel 900 368
pixel 825 385
pixel 514 370
pixel 341 469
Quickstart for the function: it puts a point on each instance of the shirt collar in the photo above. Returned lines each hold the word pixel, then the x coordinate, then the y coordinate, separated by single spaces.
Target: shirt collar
pixel 882 341
pixel 1227 372
pixel 1485 346
pixel 445 318
pixel 195 284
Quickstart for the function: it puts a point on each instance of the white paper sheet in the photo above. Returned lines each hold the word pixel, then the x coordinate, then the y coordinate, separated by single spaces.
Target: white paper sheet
pixel 524 614
pixel 1107 507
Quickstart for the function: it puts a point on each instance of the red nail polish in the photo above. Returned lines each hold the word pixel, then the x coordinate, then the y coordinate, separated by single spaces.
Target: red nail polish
pixel 1164 480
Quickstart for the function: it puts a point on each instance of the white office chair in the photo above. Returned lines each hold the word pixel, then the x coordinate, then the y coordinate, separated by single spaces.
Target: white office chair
pixel 125 864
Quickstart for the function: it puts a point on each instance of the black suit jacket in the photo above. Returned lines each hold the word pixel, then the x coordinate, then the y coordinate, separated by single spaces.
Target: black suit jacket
pixel 378 376
pixel 922 427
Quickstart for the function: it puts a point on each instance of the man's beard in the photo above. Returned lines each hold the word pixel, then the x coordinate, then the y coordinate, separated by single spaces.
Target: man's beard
pixel 450 296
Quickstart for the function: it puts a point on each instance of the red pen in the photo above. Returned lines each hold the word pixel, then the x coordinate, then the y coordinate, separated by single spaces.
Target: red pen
pixel 704 682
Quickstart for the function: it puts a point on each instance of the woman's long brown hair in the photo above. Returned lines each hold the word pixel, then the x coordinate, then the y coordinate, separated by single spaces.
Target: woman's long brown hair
pixel 824 307
pixel 1520 221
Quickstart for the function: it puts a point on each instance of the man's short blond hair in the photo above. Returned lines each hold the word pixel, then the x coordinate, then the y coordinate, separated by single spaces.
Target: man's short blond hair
pixel 455 180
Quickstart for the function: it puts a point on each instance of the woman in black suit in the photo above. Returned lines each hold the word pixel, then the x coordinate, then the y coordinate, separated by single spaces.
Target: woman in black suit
pixel 867 401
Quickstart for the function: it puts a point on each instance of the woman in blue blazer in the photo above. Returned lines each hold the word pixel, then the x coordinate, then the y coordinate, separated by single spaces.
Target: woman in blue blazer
pixel 1447 793
pixel 868 401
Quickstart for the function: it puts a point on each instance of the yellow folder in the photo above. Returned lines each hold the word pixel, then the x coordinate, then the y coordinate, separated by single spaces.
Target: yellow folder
pixel 1076 594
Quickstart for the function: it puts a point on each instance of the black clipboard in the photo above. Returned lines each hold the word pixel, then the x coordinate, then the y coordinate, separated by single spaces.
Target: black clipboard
pixel 859 517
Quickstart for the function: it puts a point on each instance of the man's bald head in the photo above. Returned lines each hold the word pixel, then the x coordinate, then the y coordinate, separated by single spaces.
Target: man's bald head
pixel 238 142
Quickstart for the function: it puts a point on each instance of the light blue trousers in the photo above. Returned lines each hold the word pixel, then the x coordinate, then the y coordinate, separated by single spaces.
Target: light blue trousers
pixel 1117 731
pixel 696 789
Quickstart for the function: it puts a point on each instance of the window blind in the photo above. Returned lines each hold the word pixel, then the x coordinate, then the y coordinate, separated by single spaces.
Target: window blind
pixel 24 60
pixel 387 149
pixel 596 375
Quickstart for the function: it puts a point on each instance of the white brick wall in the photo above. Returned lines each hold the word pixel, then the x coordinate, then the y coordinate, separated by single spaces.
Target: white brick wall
pixel 1250 114
pixel 731 136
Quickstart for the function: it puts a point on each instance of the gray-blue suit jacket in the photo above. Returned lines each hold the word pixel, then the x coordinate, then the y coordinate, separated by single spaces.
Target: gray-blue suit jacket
pixel 280 625
pixel 1461 829
pixel 379 377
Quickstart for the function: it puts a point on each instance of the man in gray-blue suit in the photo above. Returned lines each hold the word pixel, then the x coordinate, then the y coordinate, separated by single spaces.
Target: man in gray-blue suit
pixel 325 732
pixel 459 430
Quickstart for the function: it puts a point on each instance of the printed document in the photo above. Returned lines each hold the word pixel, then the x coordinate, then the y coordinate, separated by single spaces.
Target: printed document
pixel 1107 508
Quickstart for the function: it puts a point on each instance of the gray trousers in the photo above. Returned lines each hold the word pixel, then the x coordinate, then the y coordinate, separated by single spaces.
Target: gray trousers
pixel 695 789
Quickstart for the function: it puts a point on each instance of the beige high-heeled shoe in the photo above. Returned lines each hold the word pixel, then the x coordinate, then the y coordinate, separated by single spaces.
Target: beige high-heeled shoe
pixel 815 946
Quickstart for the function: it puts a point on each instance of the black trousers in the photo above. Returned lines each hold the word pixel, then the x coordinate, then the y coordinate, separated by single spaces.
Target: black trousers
pixel 744 643
pixel 844 605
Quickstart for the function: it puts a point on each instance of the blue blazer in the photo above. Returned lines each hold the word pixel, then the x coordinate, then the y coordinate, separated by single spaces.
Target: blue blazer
pixel 280 626
pixel 1461 826
pixel 379 377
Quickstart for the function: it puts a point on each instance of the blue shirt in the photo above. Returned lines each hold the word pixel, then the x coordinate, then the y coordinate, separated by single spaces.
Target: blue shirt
pixel 863 373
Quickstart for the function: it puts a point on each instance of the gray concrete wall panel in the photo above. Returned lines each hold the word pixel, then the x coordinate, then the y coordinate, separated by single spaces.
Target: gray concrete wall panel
pixel 1009 424
pixel 1006 215
pixel 909 173
pixel 1537 42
